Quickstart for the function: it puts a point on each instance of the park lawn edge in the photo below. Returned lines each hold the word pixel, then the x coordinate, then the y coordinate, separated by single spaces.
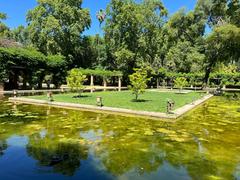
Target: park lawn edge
pixel 175 113
pixel 149 101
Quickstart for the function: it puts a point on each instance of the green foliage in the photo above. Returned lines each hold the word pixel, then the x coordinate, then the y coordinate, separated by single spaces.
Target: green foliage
pixel 138 82
pixel 124 58
pixel 35 64
pixel 75 80
pixel 184 58
pixel 21 35
pixel 136 33
pixel 101 72
pixel 224 11
pixel 93 53
pixel 180 82
pixel 56 68
pixel 21 56
pixel 56 61
pixel 230 68
pixel 185 26
pixel 3 73
pixel 4 30
pixel 162 73
pixel 225 78
pixel 222 45
pixel 132 32
pixel 55 26
pixel 3 16
pixel 183 41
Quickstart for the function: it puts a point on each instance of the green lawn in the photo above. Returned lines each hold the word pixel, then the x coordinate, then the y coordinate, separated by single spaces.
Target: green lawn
pixel 150 101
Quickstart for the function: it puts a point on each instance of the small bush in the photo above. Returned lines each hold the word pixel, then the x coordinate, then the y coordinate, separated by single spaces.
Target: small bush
pixel 75 80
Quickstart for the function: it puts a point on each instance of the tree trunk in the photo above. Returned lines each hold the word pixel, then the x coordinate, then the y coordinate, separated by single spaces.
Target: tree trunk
pixel 48 85
pixel 209 69
pixel 39 85
pixel 157 83
pixel 136 97
pixel 206 77
pixel 40 81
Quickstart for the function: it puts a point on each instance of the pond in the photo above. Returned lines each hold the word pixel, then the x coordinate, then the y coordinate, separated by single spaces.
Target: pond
pixel 39 142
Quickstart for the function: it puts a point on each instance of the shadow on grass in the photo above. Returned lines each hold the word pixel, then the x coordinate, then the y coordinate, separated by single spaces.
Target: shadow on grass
pixel 140 100
pixel 82 96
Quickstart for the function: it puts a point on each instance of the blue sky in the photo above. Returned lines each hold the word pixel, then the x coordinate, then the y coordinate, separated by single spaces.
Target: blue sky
pixel 17 9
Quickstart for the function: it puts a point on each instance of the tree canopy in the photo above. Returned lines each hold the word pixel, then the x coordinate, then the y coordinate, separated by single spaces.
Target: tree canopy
pixel 135 34
pixel 55 26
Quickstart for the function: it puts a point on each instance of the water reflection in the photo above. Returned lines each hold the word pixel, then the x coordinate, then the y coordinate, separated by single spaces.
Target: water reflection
pixel 50 151
pixel 3 147
pixel 202 145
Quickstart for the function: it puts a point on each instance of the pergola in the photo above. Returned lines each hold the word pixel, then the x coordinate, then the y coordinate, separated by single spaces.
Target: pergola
pixel 104 74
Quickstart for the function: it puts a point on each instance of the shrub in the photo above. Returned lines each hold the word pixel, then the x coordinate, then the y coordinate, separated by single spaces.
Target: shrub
pixel 180 82
pixel 138 81
pixel 75 80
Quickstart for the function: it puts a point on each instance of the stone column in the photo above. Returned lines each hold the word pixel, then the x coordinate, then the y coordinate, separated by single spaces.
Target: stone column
pixel 92 83
pixel 105 83
pixel 119 83
pixel 92 79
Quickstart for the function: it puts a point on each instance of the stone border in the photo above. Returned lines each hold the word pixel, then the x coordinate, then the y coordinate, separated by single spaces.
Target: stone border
pixel 174 115
pixel 182 110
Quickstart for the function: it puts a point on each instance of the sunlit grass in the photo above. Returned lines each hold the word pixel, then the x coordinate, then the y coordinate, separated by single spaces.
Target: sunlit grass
pixel 149 101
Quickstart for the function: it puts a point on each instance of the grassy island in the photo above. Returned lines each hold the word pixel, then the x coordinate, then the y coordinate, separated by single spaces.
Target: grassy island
pixel 149 101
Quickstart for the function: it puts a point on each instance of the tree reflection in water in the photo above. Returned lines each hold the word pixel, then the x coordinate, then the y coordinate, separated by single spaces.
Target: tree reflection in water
pixel 204 144
pixel 63 157
pixel 3 147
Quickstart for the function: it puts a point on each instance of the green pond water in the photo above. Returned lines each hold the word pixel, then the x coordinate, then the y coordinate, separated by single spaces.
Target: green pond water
pixel 39 142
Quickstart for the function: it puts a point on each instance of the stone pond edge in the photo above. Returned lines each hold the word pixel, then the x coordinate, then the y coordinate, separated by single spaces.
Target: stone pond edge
pixel 174 115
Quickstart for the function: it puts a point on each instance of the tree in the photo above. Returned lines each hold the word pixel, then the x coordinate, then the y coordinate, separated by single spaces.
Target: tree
pixel 21 35
pixel 220 12
pixel 55 26
pixel 4 30
pixel 94 53
pixel 121 33
pixel 56 68
pixel 222 45
pixel 75 80
pixel 184 26
pixel 150 40
pixel 132 33
pixel 233 12
pixel 184 58
pixel 180 82
pixel 138 81
pixel 183 40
